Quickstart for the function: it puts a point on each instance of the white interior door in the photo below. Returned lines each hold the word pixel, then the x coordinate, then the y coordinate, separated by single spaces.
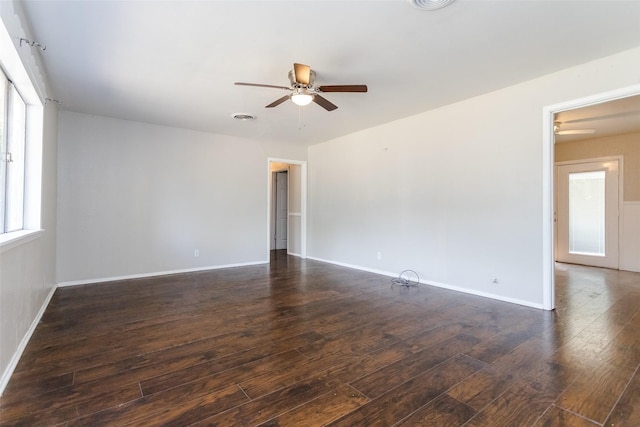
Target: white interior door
pixel 587 213
pixel 282 191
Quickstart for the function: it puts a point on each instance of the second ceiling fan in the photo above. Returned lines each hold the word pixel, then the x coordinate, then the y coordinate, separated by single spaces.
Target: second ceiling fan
pixel 302 89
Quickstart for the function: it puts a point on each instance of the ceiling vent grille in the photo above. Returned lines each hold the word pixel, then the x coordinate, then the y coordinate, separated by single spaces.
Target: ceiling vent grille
pixel 430 4
pixel 243 116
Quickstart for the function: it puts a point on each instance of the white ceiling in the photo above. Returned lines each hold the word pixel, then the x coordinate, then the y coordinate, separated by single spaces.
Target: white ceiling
pixel 175 62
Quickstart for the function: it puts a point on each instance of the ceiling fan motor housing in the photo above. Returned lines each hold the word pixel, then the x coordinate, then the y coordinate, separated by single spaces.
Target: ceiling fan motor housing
pixel 294 83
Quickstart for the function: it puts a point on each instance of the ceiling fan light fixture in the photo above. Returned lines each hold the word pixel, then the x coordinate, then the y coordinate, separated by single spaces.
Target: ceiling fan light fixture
pixel 430 4
pixel 301 97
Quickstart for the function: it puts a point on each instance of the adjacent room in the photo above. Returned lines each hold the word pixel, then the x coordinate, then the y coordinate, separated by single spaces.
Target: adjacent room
pixel 396 212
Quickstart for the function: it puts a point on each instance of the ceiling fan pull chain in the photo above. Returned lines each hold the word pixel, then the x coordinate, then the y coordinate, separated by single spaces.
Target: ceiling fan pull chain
pixel 301 123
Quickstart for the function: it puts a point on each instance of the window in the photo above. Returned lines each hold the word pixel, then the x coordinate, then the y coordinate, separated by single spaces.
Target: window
pixel 587 213
pixel 13 113
pixel 21 145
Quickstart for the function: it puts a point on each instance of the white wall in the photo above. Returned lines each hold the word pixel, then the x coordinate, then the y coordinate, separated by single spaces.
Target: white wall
pixel 630 237
pixel 27 269
pixel 138 199
pixel 294 221
pixel 454 193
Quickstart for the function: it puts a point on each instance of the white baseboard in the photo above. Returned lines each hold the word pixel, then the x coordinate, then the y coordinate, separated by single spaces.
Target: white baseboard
pixel 6 375
pixel 355 267
pixel 294 254
pixel 158 273
pixel 437 284
pixel 485 294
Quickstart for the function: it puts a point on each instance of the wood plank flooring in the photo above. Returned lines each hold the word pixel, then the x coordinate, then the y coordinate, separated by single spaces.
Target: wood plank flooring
pixel 303 343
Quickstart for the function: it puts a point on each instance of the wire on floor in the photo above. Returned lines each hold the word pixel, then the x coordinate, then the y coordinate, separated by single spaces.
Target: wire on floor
pixel 407 278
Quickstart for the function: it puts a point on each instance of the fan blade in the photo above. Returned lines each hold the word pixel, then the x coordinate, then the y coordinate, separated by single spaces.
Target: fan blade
pixel 343 88
pixel 261 85
pixel 277 102
pixel 324 103
pixel 302 73
pixel 576 132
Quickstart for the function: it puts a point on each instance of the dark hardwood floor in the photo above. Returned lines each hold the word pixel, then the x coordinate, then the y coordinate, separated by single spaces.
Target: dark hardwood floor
pixel 302 343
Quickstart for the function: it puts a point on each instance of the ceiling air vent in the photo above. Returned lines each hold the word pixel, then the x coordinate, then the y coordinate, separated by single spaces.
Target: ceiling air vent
pixel 243 116
pixel 430 4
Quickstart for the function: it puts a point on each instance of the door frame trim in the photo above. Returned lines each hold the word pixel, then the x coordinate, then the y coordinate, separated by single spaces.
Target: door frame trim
pixel 548 193
pixel 275 206
pixel 303 203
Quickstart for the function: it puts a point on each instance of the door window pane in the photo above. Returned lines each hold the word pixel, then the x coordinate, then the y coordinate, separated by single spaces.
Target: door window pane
pixel 586 213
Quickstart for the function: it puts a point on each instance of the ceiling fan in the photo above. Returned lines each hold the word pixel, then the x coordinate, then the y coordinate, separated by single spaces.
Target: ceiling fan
pixel 303 91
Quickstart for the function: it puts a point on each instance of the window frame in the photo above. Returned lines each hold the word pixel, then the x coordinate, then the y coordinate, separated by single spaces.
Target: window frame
pixel 31 90
pixel 4 102
pixel 14 150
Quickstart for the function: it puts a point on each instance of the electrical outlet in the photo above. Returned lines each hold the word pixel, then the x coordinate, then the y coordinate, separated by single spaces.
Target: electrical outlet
pixel 379 255
pixel 196 252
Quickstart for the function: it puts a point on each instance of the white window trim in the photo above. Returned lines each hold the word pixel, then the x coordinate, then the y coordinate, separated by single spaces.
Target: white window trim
pixel 17 238
pixel 18 74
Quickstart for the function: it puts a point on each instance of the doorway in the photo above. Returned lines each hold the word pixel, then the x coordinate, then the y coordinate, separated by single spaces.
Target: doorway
pixel 280 209
pixel 548 182
pixel 286 213
pixel 587 212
